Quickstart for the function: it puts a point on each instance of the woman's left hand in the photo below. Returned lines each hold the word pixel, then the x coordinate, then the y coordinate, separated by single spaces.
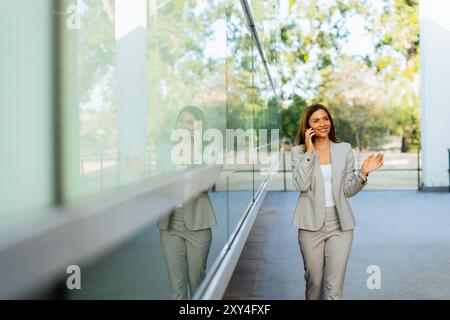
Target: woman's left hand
pixel 372 163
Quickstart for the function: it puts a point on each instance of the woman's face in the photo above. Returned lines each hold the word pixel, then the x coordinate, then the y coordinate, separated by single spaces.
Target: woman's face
pixel 186 121
pixel 321 123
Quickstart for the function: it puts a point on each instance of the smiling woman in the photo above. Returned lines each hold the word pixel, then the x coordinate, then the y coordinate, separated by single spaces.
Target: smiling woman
pixel 323 170
pixel 317 119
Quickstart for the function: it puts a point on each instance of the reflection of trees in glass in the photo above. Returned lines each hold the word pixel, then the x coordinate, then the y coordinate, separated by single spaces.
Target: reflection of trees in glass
pixel 266 16
pixel 273 113
pixel 96 50
pixel 239 69
pixel 179 71
pixel 249 89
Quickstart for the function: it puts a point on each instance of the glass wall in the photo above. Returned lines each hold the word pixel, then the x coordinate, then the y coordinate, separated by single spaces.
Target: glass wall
pixel 152 91
pixel 26 109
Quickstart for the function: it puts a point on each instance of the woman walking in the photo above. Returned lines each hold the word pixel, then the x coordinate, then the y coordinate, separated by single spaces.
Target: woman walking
pixel 324 173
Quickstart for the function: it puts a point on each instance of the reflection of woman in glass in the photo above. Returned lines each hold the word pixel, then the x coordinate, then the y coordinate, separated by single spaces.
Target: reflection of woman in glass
pixel 323 170
pixel 186 233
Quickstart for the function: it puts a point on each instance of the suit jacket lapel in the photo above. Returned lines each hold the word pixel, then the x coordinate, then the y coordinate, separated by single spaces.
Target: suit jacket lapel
pixel 334 168
pixel 318 174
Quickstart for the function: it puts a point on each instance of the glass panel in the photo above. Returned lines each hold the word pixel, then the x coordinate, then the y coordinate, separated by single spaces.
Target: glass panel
pixel 262 88
pixel 264 13
pixel 238 173
pixel 177 106
pixel 26 102
pixel 142 80
pixel 134 271
pixel 186 64
pixel 162 86
pixel 99 62
pixel 186 71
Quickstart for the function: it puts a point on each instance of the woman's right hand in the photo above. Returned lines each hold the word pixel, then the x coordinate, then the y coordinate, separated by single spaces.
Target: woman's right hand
pixel 136 165
pixel 308 140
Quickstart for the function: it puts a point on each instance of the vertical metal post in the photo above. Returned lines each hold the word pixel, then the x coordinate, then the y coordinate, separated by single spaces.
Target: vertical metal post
pixel 284 169
pixel 253 86
pixel 418 169
pixel 227 200
pixel 58 192
pixel 58 292
pixel 448 169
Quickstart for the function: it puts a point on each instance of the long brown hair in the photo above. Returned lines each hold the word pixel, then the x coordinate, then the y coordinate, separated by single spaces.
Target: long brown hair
pixel 304 123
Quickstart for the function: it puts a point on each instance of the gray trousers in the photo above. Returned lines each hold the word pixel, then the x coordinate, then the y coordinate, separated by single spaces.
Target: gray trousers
pixel 325 254
pixel 185 253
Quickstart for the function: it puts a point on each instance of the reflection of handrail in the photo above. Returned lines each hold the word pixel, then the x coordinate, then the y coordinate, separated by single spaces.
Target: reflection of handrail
pixel 102 172
pixel 96 155
pixel 90 177
pixel 231 154
pixel 379 170
pixel 448 169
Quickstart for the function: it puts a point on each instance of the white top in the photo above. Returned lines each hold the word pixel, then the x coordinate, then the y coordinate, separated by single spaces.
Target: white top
pixel 326 173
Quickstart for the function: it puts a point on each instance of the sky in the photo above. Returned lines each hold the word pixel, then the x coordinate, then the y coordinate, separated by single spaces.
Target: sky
pixel 359 42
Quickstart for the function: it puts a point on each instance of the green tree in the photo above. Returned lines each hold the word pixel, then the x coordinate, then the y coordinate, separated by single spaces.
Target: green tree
pixel 354 94
pixel 312 37
pixel 396 33
pixel 290 118
pixel 371 96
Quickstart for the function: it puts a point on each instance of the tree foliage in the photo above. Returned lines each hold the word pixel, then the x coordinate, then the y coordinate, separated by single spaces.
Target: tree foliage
pixel 371 96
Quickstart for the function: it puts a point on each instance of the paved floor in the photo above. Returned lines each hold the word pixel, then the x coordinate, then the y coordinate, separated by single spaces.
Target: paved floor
pixel 405 233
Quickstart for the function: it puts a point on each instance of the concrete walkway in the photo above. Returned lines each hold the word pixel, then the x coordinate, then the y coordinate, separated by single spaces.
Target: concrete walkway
pixel 405 233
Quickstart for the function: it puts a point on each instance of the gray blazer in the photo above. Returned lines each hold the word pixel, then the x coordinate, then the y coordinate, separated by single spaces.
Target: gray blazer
pixel 198 212
pixel 308 179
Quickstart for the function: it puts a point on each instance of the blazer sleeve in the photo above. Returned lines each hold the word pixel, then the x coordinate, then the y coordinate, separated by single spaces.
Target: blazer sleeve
pixel 302 168
pixel 352 182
